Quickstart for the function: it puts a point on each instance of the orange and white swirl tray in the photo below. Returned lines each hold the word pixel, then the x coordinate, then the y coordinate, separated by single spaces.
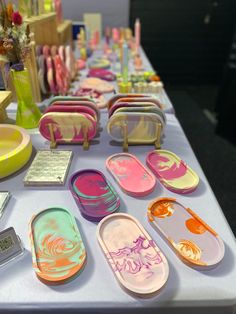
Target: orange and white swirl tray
pixel 194 242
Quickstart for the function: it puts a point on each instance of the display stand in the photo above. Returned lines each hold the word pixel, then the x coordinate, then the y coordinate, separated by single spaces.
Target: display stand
pixel 64 31
pixel 5 100
pixel 31 64
pixel 157 142
pixel 44 27
pixel 47 31
pixel 8 84
pixel 53 143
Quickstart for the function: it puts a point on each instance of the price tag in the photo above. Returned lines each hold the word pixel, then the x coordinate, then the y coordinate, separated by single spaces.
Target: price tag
pixel 4 198
pixel 10 246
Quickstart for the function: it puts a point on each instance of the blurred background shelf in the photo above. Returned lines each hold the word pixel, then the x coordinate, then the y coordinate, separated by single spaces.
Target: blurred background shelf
pixel 48 31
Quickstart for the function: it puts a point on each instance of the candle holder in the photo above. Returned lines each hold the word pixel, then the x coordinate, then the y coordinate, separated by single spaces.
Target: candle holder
pixel 125 87
pixel 155 87
pixel 141 87
pixel 83 53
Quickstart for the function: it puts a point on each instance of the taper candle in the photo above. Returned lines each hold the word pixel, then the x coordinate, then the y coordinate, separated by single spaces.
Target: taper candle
pixel 125 62
pixel 137 30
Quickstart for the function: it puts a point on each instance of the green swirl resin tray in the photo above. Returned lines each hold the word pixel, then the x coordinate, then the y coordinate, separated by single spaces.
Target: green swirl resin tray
pixel 58 251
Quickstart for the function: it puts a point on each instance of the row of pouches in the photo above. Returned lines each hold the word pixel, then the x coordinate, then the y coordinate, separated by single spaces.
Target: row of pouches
pixel 56 69
pixel 136 118
pixel 70 120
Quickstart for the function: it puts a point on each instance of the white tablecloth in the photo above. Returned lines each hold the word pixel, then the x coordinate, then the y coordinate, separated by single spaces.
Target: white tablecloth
pixel 96 288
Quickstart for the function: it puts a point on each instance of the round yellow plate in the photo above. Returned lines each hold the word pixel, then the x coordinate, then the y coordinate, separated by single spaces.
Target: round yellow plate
pixel 15 149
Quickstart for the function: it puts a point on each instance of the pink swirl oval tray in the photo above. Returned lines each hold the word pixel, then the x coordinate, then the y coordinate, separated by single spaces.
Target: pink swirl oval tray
pixel 130 174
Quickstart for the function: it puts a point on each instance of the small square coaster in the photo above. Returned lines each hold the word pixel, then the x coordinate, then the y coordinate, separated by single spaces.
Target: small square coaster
pixel 49 167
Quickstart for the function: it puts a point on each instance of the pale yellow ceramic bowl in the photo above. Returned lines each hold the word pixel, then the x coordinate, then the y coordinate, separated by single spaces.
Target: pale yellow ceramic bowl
pixel 15 149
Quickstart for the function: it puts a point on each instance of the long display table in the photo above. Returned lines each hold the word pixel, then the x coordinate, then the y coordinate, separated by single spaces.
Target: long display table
pixel 96 289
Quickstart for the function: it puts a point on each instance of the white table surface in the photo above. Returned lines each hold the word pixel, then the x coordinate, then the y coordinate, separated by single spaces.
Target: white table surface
pixel 96 288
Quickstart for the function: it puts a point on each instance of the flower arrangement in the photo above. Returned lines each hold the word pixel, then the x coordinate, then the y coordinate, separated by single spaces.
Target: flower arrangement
pixel 14 37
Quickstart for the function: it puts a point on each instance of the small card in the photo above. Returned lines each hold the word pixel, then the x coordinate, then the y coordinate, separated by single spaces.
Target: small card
pixel 49 167
pixel 4 198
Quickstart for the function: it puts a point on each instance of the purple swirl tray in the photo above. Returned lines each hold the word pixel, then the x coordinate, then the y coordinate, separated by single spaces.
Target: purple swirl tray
pixel 94 195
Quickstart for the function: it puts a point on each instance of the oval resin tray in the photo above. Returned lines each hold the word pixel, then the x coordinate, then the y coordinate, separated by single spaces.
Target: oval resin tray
pixel 68 98
pixel 99 64
pixel 130 174
pixel 94 195
pixel 68 108
pixel 58 251
pixel 145 108
pixel 138 264
pixel 173 172
pixel 138 100
pixel 197 244
pixel 120 105
pixel 84 103
pixel 67 127
pixel 114 98
pixel 142 128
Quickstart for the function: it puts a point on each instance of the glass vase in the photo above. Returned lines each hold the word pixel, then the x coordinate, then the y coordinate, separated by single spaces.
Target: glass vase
pixel 28 114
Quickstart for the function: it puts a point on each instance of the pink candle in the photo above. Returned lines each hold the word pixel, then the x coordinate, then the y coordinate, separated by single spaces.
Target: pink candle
pixel 137 30
pixel 96 37
pixel 115 35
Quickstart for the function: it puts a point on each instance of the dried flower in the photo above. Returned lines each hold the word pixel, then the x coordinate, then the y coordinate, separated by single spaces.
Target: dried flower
pixel 2 49
pixel 14 35
pixel 9 11
pixel 17 18
pixel 1 33
pixel 9 31
pixel 8 43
